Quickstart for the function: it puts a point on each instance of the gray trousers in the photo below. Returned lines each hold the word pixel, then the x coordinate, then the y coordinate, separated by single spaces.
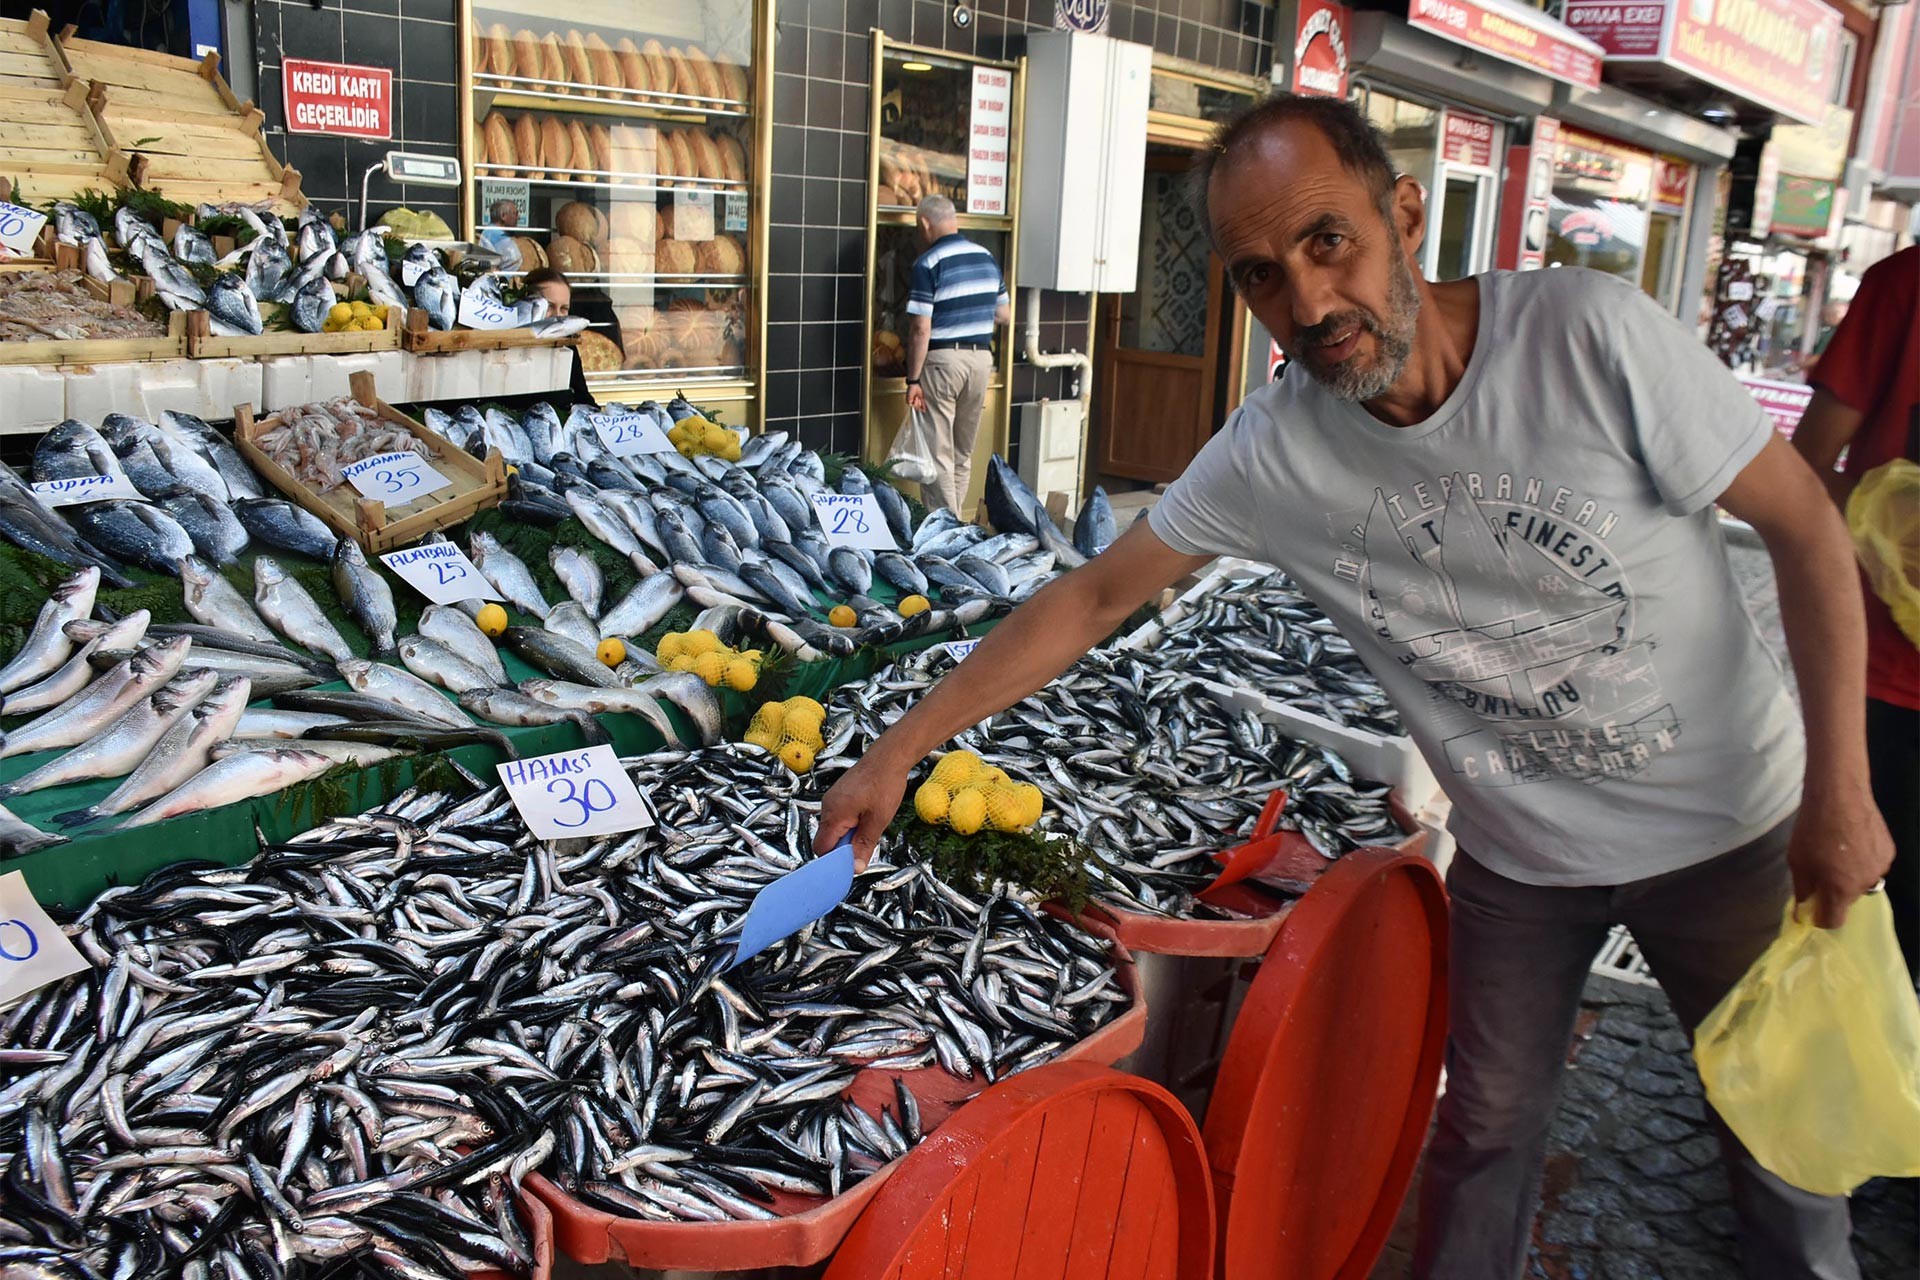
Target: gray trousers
pixel 1520 956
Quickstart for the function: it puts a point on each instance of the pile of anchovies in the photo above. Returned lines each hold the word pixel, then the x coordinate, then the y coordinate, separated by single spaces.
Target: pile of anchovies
pixel 1261 633
pixel 1141 765
pixel 342 1058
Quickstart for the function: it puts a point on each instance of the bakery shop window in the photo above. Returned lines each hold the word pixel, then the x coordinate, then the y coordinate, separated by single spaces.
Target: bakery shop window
pixel 1597 215
pixel 925 109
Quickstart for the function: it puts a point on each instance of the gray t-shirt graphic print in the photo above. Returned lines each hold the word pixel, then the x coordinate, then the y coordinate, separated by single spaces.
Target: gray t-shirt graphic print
pixel 1537 577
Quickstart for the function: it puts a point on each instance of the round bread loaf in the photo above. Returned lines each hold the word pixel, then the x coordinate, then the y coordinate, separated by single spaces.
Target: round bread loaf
pixel 581 221
pixel 633 67
pixel 567 254
pixel 663 158
pixel 532 256
pixel 482 54
pixel 599 353
pixel 686 82
pixel 526 145
pixel 733 81
pixel 722 256
pixel 683 162
pixel 602 139
pixel 553 63
pixel 675 258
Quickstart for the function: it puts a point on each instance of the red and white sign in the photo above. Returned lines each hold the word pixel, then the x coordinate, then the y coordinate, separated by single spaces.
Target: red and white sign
pixel 1524 203
pixel 1783 401
pixel 1672 183
pixel 1517 35
pixel 1467 140
pixel 333 97
pixel 989 138
pixel 1776 53
pixel 1320 49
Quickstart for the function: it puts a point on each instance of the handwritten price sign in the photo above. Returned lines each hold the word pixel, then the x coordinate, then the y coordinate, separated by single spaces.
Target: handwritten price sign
pixel 959 649
pixel 481 310
pixel 575 793
pixel 394 478
pixel 19 228
pixel 441 572
pixel 33 951
pixel 626 432
pixel 853 520
pixel 69 493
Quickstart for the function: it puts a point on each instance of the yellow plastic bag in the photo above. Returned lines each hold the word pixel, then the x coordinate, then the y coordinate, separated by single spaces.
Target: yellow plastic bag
pixel 1883 514
pixel 1813 1059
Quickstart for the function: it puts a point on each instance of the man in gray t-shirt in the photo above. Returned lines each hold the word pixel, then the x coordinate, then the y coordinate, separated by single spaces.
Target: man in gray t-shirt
pixel 1501 489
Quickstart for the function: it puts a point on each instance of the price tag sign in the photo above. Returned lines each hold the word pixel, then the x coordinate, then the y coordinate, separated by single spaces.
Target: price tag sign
pixel 959 649
pixel 19 228
pixel 394 478
pixel 853 520
pixel 575 793
pixel 481 309
pixel 441 572
pixel 68 493
pixel 33 951
pixel 736 211
pixel 626 433
pixel 692 215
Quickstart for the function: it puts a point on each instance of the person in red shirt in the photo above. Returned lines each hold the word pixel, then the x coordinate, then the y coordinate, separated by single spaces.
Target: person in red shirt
pixel 1866 400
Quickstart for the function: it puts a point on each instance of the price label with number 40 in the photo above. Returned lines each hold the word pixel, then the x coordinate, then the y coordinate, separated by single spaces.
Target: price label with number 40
pixel 853 520
pixel 394 478
pixel 441 572
pixel 19 228
pixel 575 793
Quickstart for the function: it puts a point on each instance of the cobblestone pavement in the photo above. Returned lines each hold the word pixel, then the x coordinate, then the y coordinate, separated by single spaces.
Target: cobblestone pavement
pixel 1634 1189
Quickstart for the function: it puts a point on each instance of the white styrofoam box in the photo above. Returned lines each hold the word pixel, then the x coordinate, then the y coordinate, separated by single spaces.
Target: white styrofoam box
pixel 453 376
pixel 207 388
pixel 1147 634
pixel 526 370
pixel 295 380
pixel 32 397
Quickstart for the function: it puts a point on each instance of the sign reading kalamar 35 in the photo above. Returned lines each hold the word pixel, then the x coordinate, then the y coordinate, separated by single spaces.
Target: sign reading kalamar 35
pixel 1513 32
pixel 1776 53
pixel 334 97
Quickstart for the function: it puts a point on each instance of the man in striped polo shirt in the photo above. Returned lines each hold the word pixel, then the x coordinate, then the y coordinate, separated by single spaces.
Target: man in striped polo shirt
pixel 955 299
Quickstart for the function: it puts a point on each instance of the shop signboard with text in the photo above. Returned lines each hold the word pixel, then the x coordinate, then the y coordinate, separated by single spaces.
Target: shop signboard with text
pixel 1784 402
pixel 1777 54
pixel 337 98
pixel 989 140
pixel 1320 49
pixel 1467 139
pixel 1802 206
pixel 1672 184
pixel 1512 32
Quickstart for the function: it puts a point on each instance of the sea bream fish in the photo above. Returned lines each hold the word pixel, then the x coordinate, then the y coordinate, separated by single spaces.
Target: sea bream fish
pixel 233 309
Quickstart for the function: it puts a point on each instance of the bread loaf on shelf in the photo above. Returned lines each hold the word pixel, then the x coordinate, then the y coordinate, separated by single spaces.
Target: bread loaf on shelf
pixel 733 157
pixel 706 155
pixel 659 70
pixel 553 63
pixel 599 353
pixel 633 67
pixel 733 81
pixel 581 221
pixel 606 68
pixel 602 139
pixel 526 55
pixel 686 82
pixel 579 66
pixel 706 76
pixel 526 142
pixel 582 152
pixel 499 49
pixel 663 164
pixel 633 148
pixel 684 163
pixel 675 258
pixel 721 256
pixel 556 148
pixel 482 54
pixel 532 256
pixel 572 256
pixel 501 152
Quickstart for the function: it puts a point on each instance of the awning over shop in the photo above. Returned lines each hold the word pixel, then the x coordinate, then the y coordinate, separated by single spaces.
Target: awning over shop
pixel 1514 32
pixel 1772 57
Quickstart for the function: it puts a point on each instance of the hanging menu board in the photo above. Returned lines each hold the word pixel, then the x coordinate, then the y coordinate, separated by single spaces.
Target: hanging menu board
pixel 989 139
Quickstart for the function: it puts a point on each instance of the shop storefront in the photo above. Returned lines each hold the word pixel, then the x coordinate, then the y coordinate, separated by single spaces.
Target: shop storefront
pixel 1455 153
pixel 1619 209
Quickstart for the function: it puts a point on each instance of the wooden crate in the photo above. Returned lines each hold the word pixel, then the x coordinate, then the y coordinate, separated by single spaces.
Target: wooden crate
pixel 421 337
pixel 204 344
pixel 79 351
pixel 477 485
pixel 182 131
pixel 55 147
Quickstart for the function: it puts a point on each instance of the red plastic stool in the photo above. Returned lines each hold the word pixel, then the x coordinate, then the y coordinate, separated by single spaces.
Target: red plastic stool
pixel 1328 1081
pixel 1066 1172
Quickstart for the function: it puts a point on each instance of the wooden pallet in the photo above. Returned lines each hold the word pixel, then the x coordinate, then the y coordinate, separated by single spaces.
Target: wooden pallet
pixel 184 133
pixel 68 352
pixel 204 344
pixel 421 337
pixel 477 485
pixel 56 147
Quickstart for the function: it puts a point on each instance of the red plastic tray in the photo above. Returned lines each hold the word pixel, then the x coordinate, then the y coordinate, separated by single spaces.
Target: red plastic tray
pixel 1066 1172
pixel 1328 1082
pixel 1282 856
pixel 540 1224
pixel 808 1228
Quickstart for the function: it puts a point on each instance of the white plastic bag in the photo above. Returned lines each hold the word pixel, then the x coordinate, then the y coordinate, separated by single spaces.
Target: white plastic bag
pixel 912 455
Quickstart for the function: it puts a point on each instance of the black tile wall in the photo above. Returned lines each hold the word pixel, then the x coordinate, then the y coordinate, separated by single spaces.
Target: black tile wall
pixel 416 39
pixel 823 63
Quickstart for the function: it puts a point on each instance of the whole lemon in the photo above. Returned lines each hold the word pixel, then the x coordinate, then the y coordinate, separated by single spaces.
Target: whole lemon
pixel 703 641
pixel 671 646
pixel 913 605
pixel 957 768
pixel 931 801
pixel 1032 804
pixel 492 619
pixel 613 652
pixel 803 721
pixel 339 313
pixel 741 675
pixel 843 616
pixel 797 756
pixel 762 738
pixel 967 811
pixel 802 700
pixel 710 667
pixel 771 715
pixel 682 662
